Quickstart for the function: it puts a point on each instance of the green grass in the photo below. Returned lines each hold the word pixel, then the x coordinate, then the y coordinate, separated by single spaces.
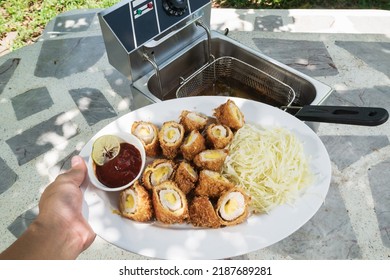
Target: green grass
pixel 28 18
pixel 311 4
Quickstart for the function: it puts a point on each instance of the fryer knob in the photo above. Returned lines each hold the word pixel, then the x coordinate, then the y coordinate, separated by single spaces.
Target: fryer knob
pixel 175 7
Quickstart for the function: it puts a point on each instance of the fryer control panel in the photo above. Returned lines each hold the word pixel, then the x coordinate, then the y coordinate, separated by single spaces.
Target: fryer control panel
pixel 135 22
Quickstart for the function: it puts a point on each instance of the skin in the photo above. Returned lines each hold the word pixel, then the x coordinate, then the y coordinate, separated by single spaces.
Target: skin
pixel 60 231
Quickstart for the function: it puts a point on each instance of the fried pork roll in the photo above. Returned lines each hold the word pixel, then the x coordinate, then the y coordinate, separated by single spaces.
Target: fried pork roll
pixel 171 136
pixel 135 203
pixel 211 159
pixel 185 177
pixel 218 136
pixel 193 120
pixel 230 115
pixel 193 144
pixel 147 132
pixel 202 213
pixel 212 184
pixel 160 170
pixel 232 207
pixel 170 203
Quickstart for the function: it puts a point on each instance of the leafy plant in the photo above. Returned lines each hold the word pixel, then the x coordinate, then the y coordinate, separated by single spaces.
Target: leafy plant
pixel 28 18
pixel 299 4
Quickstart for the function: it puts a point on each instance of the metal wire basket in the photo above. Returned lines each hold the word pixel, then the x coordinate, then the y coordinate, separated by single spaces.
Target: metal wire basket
pixel 232 77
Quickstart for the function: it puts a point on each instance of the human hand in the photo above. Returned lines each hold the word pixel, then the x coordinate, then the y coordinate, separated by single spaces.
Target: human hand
pixel 60 231
pixel 60 206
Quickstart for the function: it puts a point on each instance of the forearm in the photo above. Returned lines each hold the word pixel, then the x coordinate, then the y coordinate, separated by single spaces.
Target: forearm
pixel 60 231
pixel 41 242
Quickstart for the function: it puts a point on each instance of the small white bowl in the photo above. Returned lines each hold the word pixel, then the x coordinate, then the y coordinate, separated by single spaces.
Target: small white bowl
pixel 126 137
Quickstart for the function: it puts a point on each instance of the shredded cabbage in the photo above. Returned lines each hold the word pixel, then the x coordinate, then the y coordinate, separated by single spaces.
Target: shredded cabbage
pixel 269 164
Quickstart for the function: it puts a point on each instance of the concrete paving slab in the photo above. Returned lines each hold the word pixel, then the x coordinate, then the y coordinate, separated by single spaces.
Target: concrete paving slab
pixel 352 223
pixel 374 54
pixel 268 23
pixel 64 57
pixel 9 177
pixel 41 138
pixel 6 71
pixel 31 102
pixel 92 104
pixel 303 20
pixel 22 222
pixel 381 196
pixel 345 150
pixel 308 57
pixel 334 238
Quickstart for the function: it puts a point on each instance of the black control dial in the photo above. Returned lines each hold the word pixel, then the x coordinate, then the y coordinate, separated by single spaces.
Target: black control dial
pixel 175 7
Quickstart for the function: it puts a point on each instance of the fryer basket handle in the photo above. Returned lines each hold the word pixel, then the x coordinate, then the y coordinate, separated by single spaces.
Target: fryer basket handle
pixel 366 116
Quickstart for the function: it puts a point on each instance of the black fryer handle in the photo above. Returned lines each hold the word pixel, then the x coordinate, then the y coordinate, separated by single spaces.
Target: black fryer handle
pixel 368 116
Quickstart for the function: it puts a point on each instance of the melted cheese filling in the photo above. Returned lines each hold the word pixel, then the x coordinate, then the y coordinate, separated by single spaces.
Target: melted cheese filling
pixel 196 118
pixel 212 155
pixel 236 112
pixel 170 199
pixel 191 171
pixel 171 134
pixel 131 202
pixel 161 173
pixel 145 132
pixel 232 206
pixel 219 131
pixel 191 138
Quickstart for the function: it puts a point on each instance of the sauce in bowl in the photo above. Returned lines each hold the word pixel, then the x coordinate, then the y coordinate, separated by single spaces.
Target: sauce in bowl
pixel 122 169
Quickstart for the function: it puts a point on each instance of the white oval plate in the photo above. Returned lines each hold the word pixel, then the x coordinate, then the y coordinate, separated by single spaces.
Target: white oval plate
pixel 184 241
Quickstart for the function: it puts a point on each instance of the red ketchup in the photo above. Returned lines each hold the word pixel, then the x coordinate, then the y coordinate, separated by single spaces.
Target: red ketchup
pixel 122 169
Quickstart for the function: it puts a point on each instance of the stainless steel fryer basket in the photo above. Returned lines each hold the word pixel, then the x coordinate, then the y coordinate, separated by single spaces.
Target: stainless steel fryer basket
pixel 236 73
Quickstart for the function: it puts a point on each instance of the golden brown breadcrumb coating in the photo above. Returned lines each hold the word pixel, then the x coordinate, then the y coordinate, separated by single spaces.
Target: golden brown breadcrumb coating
pixel 183 181
pixel 239 219
pixel 212 184
pixel 154 166
pixel 170 149
pixel 186 177
pixel 211 159
pixel 190 124
pixel 163 214
pixel 215 138
pixel 229 114
pixel 193 144
pixel 202 213
pixel 144 209
pixel 152 148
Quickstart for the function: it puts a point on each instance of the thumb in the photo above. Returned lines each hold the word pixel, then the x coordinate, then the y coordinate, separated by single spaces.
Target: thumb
pixel 77 161
pixel 78 170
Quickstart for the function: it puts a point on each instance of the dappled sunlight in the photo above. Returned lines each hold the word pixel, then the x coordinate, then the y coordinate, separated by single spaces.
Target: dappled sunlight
pixel 49 160
pixel 73 23
pixel 68 129
pixel 60 143
pixel 234 23
pixel 124 104
pixel 83 103
pixel 119 81
pixel 70 23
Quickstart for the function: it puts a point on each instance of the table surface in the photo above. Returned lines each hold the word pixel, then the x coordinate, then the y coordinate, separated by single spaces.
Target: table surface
pixel 56 94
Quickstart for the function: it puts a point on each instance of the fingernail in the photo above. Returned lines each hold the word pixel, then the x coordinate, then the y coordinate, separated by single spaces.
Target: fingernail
pixel 76 160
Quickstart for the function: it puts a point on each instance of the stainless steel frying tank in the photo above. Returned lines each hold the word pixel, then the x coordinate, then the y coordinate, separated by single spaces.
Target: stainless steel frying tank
pixel 159 44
